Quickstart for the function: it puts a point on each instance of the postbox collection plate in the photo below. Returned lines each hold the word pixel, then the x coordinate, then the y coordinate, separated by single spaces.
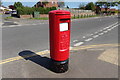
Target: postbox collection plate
pixel 63 26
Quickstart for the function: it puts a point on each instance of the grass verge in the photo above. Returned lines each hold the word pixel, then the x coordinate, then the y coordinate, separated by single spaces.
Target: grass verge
pixel 8 17
pixel 44 18
pixel 79 17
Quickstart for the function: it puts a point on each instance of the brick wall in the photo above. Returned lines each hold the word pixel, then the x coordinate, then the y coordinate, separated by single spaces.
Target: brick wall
pixel 30 16
pixel 46 15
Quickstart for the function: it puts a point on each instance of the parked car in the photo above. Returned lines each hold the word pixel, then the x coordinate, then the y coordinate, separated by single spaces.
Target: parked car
pixel 14 12
pixel 7 12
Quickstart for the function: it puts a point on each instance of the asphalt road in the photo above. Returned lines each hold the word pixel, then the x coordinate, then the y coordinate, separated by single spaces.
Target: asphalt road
pixel 91 62
pixel 36 37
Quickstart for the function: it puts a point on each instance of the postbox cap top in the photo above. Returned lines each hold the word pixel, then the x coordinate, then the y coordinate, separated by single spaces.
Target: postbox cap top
pixel 59 12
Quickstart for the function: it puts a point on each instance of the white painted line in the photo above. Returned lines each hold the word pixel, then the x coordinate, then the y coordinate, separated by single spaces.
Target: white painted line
pixel 111 25
pixel 91 34
pixel 89 39
pixel 10 26
pixel 34 24
pixel 112 28
pixel 115 26
pixel 101 33
pixel 101 30
pixel 19 25
pixel 84 37
pixel 75 40
pixel 108 26
pixel 96 32
pixel 109 29
pixel 105 31
pixel 78 44
pixel 104 28
pixel 95 36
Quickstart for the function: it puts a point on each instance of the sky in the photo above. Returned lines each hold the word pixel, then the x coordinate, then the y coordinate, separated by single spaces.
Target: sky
pixel 31 3
pixel 48 0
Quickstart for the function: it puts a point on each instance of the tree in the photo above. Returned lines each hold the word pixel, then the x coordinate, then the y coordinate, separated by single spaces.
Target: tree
pixel 98 10
pixel 82 6
pixel 68 7
pixel 90 6
pixel 61 4
pixel 0 3
pixel 45 2
pixel 18 5
pixel 107 4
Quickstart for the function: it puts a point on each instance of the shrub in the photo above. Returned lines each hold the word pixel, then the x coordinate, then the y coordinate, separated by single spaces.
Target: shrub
pixel 30 10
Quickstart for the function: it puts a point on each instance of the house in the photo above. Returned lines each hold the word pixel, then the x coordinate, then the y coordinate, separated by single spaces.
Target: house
pixel 103 9
pixel 46 3
pixel 2 8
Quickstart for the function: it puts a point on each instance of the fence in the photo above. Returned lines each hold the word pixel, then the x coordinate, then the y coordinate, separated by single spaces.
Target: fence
pixel 76 11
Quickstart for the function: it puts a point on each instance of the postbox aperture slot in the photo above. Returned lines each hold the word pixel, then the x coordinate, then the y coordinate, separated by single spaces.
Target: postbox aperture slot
pixel 64 26
pixel 65 19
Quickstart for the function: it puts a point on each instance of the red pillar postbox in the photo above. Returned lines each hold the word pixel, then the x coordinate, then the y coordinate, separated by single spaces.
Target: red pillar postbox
pixel 59 25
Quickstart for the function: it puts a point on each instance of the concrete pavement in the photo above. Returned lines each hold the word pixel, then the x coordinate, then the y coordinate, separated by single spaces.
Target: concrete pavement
pixel 86 61
pixel 25 54
pixel 98 61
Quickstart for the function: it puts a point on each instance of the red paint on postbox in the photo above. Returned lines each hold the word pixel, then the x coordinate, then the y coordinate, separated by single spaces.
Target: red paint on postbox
pixel 59 25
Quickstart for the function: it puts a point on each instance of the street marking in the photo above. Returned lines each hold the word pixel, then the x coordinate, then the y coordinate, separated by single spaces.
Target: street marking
pixel 105 28
pixel 47 51
pixel 95 36
pixel 101 33
pixel 91 34
pixel 72 48
pixel 34 24
pixel 110 26
pixel 95 46
pixel 78 44
pixel 21 25
pixel 96 32
pixel 84 37
pixel 105 31
pixel 89 39
pixel 75 40
pixel 26 56
pixel 110 55
pixel 109 29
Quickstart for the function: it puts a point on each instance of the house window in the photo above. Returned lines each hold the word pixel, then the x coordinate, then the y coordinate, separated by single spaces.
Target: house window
pixel 52 2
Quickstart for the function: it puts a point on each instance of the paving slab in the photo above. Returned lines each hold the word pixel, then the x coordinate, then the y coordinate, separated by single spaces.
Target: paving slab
pixel 86 63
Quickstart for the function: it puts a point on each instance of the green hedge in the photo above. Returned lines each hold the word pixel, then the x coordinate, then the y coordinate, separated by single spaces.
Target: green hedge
pixel 109 11
pixel 30 10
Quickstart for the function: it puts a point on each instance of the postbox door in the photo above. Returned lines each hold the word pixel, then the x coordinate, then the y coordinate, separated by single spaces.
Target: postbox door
pixel 64 34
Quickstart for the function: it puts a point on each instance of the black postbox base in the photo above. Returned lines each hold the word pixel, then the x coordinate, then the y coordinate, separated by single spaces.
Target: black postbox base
pixel 59 66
